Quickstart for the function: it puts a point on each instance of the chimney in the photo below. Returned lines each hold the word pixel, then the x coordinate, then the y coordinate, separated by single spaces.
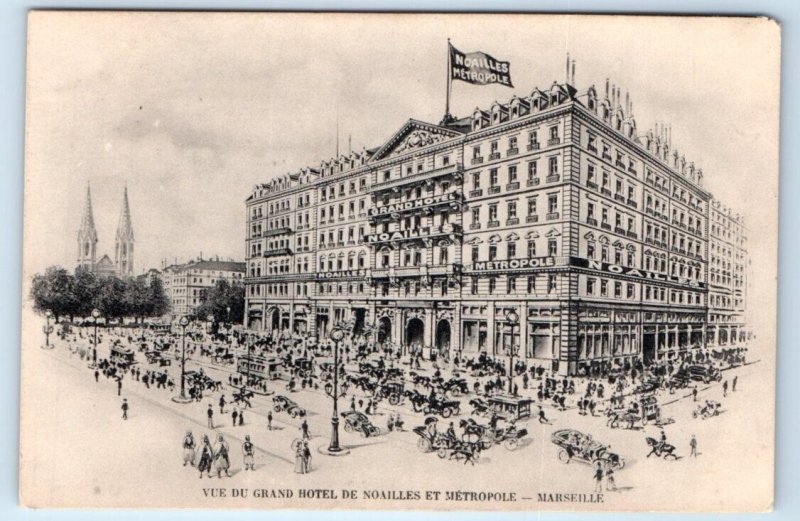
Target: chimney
pixel 573 72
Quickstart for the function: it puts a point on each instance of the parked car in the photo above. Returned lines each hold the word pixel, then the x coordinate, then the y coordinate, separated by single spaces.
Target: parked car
pixel 355 421
pixel 282 403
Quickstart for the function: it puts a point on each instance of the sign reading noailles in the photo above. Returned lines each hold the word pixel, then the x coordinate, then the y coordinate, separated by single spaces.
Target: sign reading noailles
pixel 478 68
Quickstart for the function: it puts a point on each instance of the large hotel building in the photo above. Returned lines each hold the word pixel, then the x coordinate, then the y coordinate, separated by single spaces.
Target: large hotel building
pixel 600 238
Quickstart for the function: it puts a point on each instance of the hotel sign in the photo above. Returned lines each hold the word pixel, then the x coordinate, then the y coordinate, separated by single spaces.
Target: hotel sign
pixel 514 264
pixel 342 274
pixel 410 205
pixel 634 272
pixel 412 233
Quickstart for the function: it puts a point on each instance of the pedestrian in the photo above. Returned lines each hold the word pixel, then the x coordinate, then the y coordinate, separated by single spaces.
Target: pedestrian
pixel 304 429
pixel 725 388
pixel 188 449
pixel 694 393
pixel 542 417
pixel 598 478
pixel 610 484
pixel 353 403
pixel 735 379
pixel 206 457
pixel 222 457
pixel 119 386
pixel 234 415
pixel 241 418
pixel 248 449
pixel 96 375
pixel 360 403
pixel 269 420
pixel 222 404
pixel 693 446
pixel 300 465
pixel 124 408
pixel 210 414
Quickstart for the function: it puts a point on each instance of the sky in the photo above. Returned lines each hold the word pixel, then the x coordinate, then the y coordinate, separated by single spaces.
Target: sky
pixel 192 110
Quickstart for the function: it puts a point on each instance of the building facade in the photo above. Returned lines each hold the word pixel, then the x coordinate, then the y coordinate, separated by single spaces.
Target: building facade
pixel 553 206
pixel 185 284
pixel 728 277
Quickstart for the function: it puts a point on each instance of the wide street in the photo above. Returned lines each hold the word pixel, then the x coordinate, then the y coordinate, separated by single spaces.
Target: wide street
pixel 82 418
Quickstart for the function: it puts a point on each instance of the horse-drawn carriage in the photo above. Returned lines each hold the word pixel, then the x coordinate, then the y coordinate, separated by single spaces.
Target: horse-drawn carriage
pixel 440 406
pixel 157 358
pixel 355 421
pixel 303 367
pixel 122 356
pixel 455 386
pixel 577 446
pixel 509 437
pixel 707 410
pixel 445 446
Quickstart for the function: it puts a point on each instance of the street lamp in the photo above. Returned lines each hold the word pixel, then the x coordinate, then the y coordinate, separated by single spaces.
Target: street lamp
pixel 184 321
pixel 513 319
pixel 47 330
pixel 95 318
pixel 337 334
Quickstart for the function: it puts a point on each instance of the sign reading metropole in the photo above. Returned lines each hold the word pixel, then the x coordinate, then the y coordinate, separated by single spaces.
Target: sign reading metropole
pixel 479 68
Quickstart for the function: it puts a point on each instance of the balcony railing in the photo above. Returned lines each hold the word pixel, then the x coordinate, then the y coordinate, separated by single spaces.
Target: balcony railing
pixel 494 155
pixel 631 203
pixel 512 151
pixel 532 182
pixel 449 170
pixel 552 216
pixel 553 178
pixel 494 190
pixel 276 231
pixel 532 219
pixel 512 186
pixel 554 141
pixel 475 226
pixel 493 224
pixel 591 185
pixel 477 160
pixel 605 191
pixel 592 221
pixel 476 193
pixel 533 146
pixel 277 252
pixel 512 221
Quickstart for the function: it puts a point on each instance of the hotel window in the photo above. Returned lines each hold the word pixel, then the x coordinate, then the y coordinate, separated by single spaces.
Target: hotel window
pixel 618 289
pixel 553 133
pixel 590 210
pixel 512 250
pixel 385 257
pixel 630 224
pixel 619 187
pixel 630 259
pixel 591 282
pixel 551 284
pixel 532 170
pixel 492 212
pixel 475 254
pixel 492 252
pixel 512 174
pixel 362 183
pixel 476 181
pixel 512 209
pixel 492 284
pixel 512 142
pixel 603 287
pixel 553 162
pixel 474 286
pixel 476 215
pixel 443 255
pixel 604 253
pixel 552 247
pixel 532 138
pixel 618 257
pixel 532 206
pixel 493 177
pixel 590 251
pixel 604 216
pixel 511 284
pixel 531 249
pixel 446 160
pixel 618 220
pixel 552 203
pixel 631 289
pixel 591 144
pixel 590 174
pixel 493 147
pixel 476 152
pixel 387 175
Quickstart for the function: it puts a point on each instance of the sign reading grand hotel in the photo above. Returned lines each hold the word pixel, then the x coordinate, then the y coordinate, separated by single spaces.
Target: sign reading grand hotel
pixel 409 205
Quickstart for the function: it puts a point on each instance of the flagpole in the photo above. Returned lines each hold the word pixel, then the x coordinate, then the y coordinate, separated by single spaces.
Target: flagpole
pixel 449 81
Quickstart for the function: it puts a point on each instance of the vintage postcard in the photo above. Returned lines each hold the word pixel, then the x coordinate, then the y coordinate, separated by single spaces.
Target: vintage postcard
pixel 400 261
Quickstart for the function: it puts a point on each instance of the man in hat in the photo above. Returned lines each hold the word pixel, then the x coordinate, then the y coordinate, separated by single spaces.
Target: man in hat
pixel 188 449
pixel 210 414
pixel 124 408
pixel 248 449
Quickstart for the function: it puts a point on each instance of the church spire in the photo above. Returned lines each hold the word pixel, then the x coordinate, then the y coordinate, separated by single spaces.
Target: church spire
pixel 87 234
pixel 123 251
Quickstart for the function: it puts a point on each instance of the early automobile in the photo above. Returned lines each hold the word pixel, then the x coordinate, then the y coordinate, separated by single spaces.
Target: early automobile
pixel 443 407
pixel 509 436
pixel 445 446
pixel 577 446
pixel 355 421
pixel 282 403
pixel 707 410
pixel 456 387
pixel 698 372
pixel 303 367
pixel 392 390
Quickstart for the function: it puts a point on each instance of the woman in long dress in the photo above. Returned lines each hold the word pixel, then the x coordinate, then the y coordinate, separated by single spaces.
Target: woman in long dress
pixel 206 457
pixel 300 461
pixel 222 457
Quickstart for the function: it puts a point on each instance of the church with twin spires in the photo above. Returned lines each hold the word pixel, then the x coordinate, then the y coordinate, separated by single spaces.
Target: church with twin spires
pixel 122 265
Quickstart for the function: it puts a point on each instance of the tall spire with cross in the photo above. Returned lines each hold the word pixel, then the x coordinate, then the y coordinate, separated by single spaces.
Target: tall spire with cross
pixel 87 235
pixel 123 250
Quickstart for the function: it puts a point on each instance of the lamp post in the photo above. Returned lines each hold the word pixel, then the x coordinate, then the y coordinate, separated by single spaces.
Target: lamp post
pixel 95 318
pixel 513 319
pixel 333 390
pixel 184 321
pixel 47 330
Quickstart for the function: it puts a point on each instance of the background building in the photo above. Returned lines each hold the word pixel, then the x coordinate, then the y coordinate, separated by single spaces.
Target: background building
pixel 184 284
pixel 553 206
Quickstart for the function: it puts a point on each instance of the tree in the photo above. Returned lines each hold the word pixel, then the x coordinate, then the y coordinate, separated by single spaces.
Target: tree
pixel 54 291
pixel 158 304
pixel 110 298
pixel 86 288
pixel 218 299
pixel 136 298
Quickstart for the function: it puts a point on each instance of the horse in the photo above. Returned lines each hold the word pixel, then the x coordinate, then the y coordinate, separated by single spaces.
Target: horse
pixel 661 449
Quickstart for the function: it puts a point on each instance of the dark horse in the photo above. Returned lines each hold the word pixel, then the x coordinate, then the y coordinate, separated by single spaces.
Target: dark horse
pixel 661 449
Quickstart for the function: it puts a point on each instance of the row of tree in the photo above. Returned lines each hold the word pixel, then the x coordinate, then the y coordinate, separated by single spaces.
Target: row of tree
pixel 67 295
pixel 224 302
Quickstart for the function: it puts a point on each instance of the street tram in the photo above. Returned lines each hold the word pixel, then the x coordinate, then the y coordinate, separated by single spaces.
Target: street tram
pixel 511 407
